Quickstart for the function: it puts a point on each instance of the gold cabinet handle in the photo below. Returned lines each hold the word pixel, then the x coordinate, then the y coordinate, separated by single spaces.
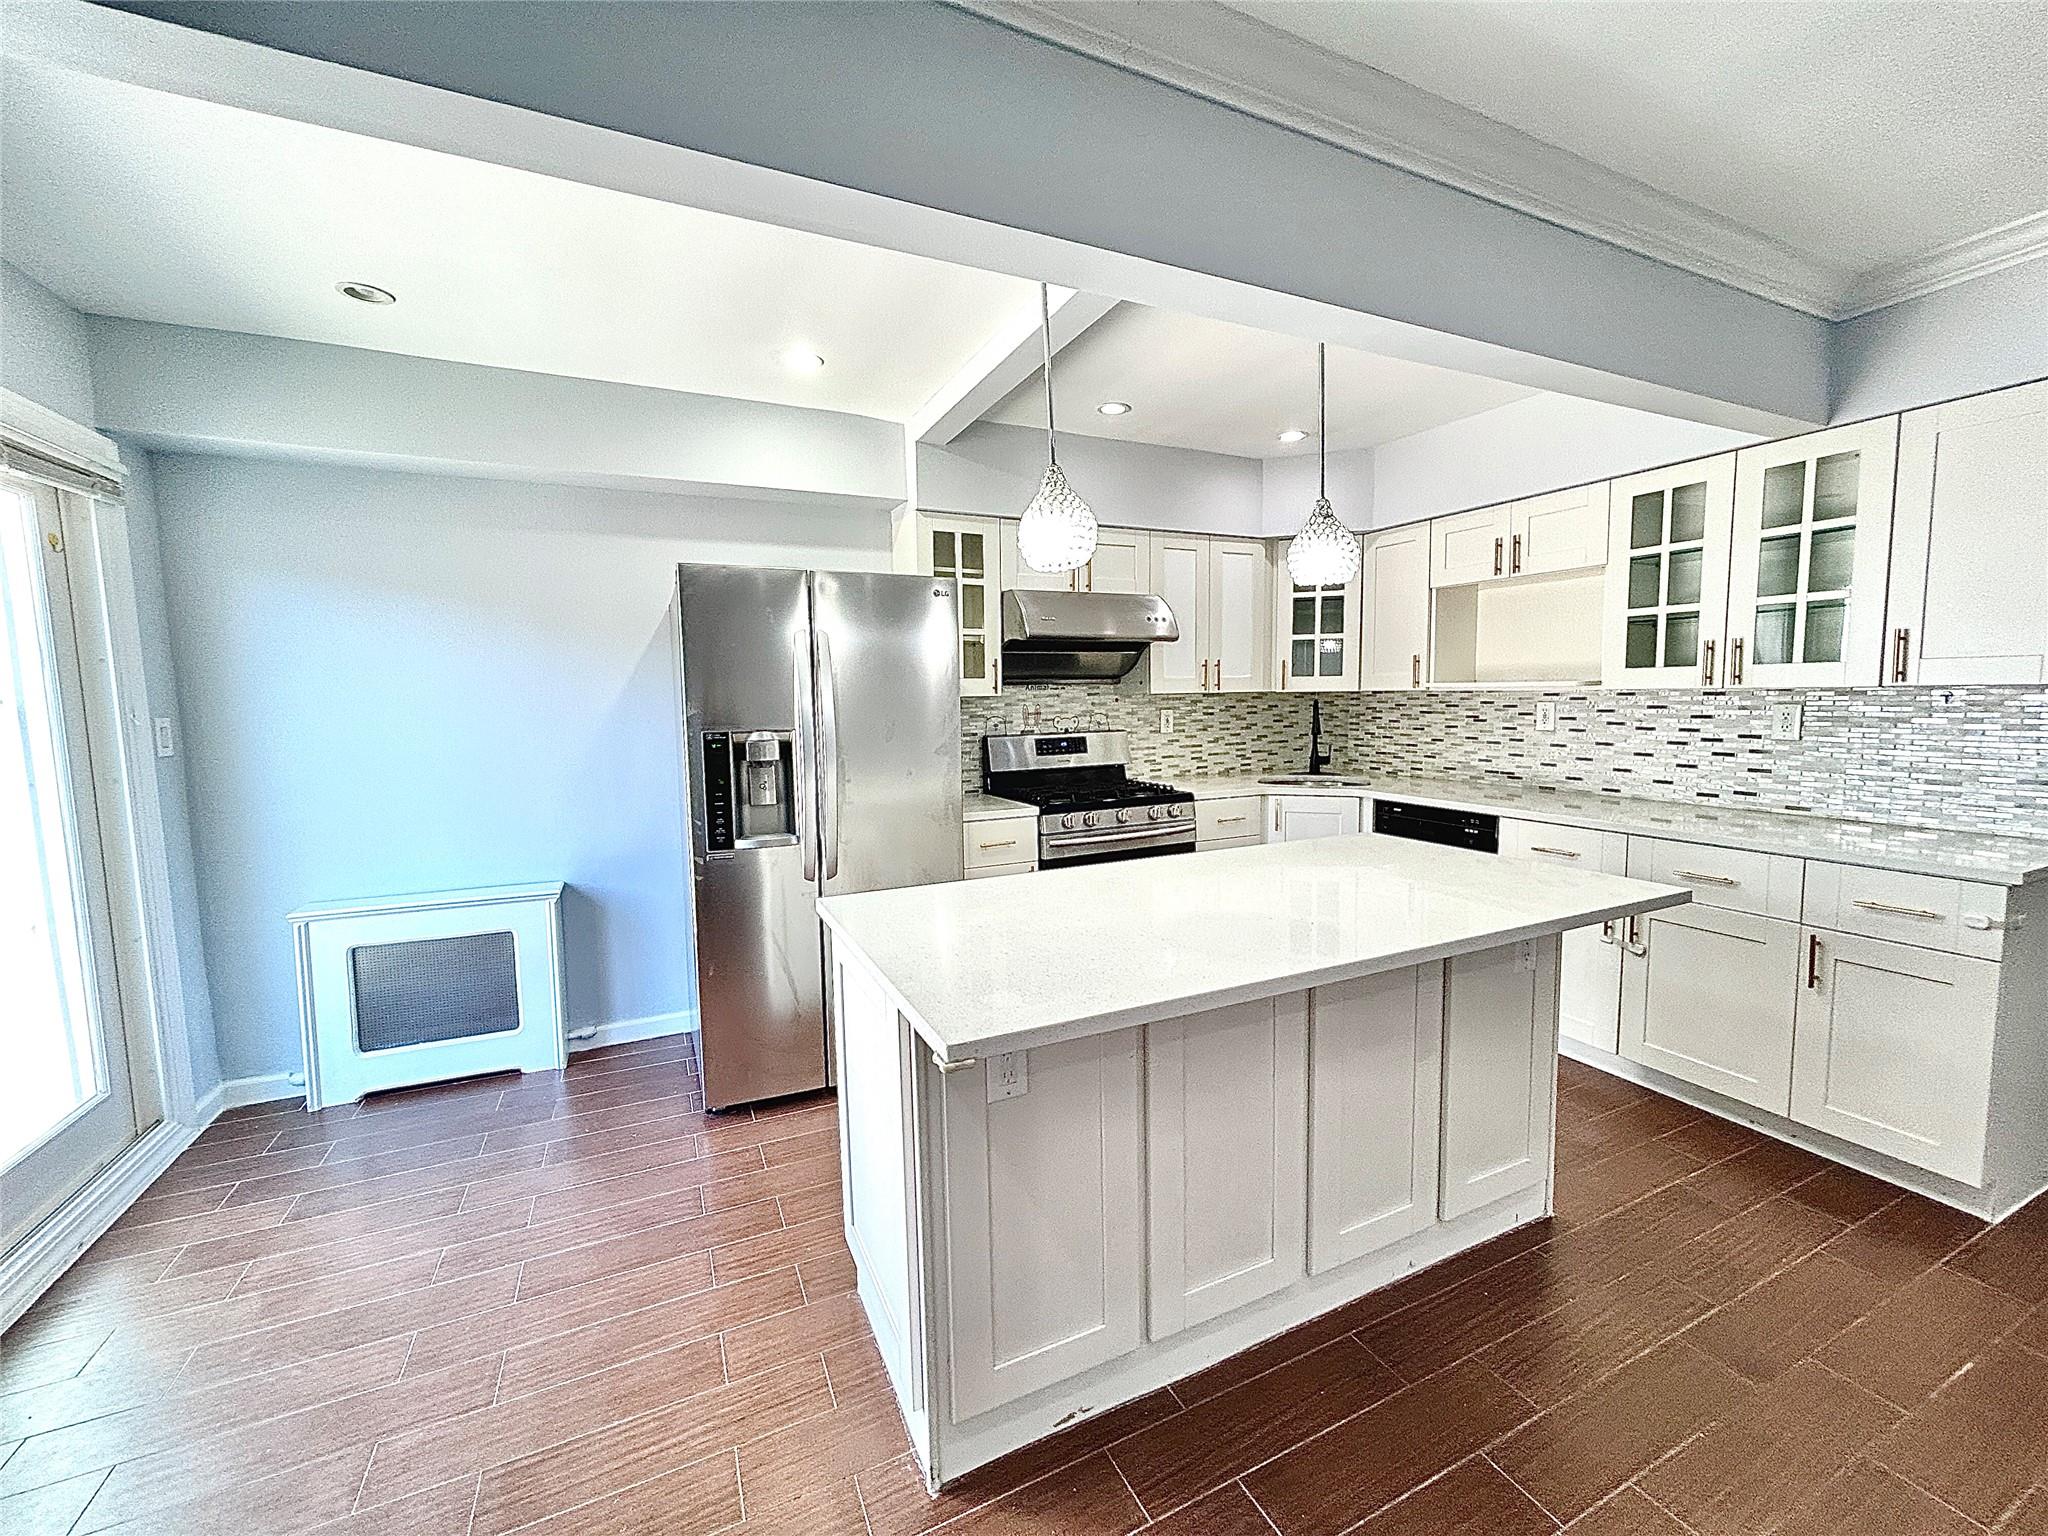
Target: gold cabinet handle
pixel 1634 942
pixel 950 1067
pixel 1901 649
pixel 1225 821
pixel 1205 674
pixel 1607 932
pixel 1704 878
pixel 1735 661
pixel 1895 911
pixel 1707 670
pixel 1497 545
pixel 1813 962
pixel 1515 563
pixel 1283 674
pixel 1562 853
pixel 1415 671
pixel 1008 842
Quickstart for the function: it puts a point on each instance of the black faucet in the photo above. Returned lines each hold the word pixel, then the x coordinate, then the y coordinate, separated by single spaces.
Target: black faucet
pixel 1318 758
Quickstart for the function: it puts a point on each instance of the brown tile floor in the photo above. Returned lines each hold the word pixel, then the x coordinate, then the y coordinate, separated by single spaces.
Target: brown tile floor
pixel 579 1305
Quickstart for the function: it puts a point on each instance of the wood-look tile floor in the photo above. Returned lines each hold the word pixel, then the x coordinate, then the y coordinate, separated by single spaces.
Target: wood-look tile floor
pixel 577 1304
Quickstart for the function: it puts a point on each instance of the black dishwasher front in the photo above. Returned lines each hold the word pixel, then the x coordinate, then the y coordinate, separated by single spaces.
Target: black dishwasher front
pixel 1436 824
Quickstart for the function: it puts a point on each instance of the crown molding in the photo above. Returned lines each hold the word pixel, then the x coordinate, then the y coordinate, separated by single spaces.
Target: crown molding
pixel 1210 50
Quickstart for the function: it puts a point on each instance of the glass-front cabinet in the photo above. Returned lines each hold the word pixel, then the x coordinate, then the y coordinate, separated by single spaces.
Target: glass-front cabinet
pixel 1318 634
pixel 1666 592
pixel 965 551
pixel 1812 536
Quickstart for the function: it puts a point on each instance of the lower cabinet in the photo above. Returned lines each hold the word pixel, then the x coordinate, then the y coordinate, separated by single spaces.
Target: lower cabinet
pixel 1707 996
pixel 1297 818
pixel 1042 1288
pixel 1374 1108
pixel 1226 1096
pixel 1499 1074
pixel 1589 982
pixel 1894 1049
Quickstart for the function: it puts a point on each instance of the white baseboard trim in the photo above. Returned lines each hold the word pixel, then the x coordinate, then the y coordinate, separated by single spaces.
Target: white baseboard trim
pixel 33 1265
pixel 620 1031
pixel 237 1091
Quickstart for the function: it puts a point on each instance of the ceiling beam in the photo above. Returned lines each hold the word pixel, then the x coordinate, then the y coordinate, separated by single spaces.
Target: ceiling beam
pixel 1013 355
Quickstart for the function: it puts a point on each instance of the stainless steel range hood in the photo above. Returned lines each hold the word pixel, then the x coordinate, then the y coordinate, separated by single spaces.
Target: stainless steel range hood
pixel 1080 636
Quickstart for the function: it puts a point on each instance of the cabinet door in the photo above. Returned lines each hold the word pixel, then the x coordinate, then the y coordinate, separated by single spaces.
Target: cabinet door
pixel 1895 1050
pixel 1393 644
pixel 1226 1116
pixel 1707 996
pixel 1374 1107
pixel 1238 623
pixel 1180 575
pixel 1564 531
pixel 1318 635
pixel 1122 562
pixel 1472 546
pixel 1813 522
pixel 1500 1074
pixel 1589 979
pixel 966 552
pixel 1019 577
pixel 1666 609
pixel 1297 818
pixel 1039 1289
pixel 1969 570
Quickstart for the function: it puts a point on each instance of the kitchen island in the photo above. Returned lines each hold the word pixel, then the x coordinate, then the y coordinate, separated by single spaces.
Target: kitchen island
pixel 1109 1125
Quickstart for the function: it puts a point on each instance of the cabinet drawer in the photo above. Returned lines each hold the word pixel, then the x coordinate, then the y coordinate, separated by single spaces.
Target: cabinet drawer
pixel 1003 840
pixel 1574 847
pixel 991 871
pixel 1734 878
pixel 1957 915
pixel 1219 821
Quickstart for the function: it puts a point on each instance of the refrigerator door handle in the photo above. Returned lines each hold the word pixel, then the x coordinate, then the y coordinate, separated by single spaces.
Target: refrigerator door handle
pixel 828 756
pixel 800 756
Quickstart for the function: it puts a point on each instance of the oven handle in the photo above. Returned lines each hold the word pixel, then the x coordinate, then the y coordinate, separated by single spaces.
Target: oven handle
pixel 1095 839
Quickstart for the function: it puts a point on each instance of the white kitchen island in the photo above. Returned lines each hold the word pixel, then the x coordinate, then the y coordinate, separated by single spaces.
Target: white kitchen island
pixel 1106 1126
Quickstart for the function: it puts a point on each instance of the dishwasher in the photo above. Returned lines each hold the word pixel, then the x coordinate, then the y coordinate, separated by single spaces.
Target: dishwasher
pixel 1437 824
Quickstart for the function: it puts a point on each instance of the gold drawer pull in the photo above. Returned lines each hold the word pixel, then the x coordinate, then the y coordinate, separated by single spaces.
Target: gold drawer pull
pixel 1224 821
pixel 1703 878
pixel 1891 911
pixel 1008 842
pixel 950 1067
pixel 1562 853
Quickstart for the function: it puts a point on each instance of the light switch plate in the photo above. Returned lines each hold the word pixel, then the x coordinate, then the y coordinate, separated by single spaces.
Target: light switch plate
pixel 166 736
pixel 1546 714
pixel 1166 722
pixel 1009 1075
pixel 1787 721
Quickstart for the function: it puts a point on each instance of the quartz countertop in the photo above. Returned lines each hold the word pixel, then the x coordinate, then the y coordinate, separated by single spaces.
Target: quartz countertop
pixel 1000 965
pixel 1914 850
pixel 976 806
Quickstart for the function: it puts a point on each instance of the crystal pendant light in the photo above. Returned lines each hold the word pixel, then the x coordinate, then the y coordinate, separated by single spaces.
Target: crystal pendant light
pixel 1058 531
pixel 1325 552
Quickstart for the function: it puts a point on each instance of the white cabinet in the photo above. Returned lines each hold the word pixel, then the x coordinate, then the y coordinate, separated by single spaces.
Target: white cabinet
pixel 1812 537
pixel 1499 1074
pixel 966 552
pixel 1563 531
pixel 1226 1095
pixel 1374 1112
pixel 1044 1254
pixel 1318 635
pixel 1707 995
pixel 1002 845
pixel 1469 546
pixel 1894 1050
pixel 1393 643
pixel 1589 969
pixel 1297 818
pixel 1229 823
pixel 1666 593
pixel 1121 563
pixel 1219 590
pixel 1968 601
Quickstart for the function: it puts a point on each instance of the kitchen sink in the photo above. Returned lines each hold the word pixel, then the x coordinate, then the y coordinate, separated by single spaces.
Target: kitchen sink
pixel 1324 780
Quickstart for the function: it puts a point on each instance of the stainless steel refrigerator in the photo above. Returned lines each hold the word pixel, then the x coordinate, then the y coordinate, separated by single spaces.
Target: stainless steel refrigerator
pixel 821 744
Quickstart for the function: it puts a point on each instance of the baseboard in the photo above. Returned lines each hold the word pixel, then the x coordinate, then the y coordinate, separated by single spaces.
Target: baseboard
pixel 620 1031
pixel 33 1265
pixel 238 1091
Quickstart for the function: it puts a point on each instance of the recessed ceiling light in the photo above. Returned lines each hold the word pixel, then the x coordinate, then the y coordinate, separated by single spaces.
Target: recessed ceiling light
pixel 367 293
pixel 1114 408
pixel 801 360
pixel 1293 435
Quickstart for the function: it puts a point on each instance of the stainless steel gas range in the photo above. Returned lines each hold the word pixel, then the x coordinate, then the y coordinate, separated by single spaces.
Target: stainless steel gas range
pixel 1090 809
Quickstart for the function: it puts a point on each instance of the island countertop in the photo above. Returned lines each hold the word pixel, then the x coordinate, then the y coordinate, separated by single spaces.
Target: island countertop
pixel 1001 965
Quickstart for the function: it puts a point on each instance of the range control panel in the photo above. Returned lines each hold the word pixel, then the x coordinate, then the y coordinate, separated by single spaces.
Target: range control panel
pixel 1059 746
pixel 718 808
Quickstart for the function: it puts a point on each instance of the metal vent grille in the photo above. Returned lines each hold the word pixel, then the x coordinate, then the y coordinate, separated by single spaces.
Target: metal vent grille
pixel 424 990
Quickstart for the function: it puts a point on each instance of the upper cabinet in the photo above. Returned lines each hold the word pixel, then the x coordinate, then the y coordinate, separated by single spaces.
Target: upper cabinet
pixel 1968 600
pixel 1812 535
pixel 1540 536
pixel 1220 591
pixel 1318 633
pixel 1393 642
pixel 1122 563
pixel 1667 577
pixel 965 551
pixel 1471 546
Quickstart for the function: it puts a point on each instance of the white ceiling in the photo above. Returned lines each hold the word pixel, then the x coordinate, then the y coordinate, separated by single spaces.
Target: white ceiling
pixel 129 202
pixel 1833 154
pixel 1198 383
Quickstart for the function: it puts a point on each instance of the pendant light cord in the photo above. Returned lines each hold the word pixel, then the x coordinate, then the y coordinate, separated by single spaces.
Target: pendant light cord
pixel 1045 330
pixel 1322 426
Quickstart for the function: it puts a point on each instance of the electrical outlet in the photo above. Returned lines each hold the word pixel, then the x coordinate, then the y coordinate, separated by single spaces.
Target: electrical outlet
pixel 1009 1076
pixel 166 736
pixel 1166 722
pixel 1546 714
pixel 1787 721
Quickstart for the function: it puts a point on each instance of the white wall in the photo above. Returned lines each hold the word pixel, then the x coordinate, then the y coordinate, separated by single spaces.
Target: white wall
pixel 1543 443
pixel 396 682
pixel 1287 491
pixel 1979 335
pixel 43 347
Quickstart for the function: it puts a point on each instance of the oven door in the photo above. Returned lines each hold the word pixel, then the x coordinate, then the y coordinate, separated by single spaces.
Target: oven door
pixel 1102 845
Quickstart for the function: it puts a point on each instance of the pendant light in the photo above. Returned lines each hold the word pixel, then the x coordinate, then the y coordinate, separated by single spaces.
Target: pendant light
pixel 1325 552
pixel 1057 532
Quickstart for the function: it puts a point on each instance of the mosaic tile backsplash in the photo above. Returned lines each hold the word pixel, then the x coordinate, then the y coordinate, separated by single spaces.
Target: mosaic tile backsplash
pixel 1967 757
